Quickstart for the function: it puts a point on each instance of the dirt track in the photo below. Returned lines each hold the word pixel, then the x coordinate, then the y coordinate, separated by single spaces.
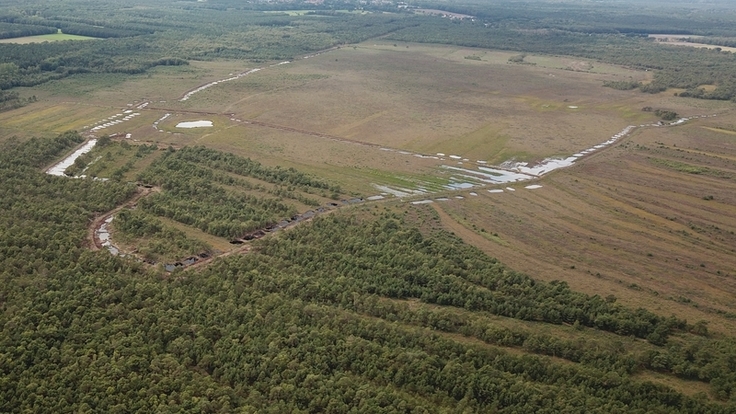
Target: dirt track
pixel 93 242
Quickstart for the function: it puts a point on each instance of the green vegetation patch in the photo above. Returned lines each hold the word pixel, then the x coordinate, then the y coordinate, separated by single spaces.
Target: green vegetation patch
pixel 690 168
pixel 153 240
pixel 113 160
pixel 208 190
pixel 12 100
pixel 56 37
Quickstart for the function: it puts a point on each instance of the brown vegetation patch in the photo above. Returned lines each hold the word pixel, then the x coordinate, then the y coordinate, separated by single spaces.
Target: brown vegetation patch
pixel 658 235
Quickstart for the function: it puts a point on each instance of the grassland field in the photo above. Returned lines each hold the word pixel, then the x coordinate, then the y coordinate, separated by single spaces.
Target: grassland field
pixel 56 37
pixel 653 235
pixel 630 221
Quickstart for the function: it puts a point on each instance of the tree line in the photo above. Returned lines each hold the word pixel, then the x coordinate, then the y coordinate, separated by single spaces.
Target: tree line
pixel 208 189
pixel 68 26
pixel 11 30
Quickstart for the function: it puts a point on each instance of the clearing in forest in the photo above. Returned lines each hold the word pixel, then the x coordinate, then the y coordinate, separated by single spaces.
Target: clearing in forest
pixel 393 121
pixel 56 37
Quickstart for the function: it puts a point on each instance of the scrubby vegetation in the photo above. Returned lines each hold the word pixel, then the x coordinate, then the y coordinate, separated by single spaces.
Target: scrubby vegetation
pixel 12 100
pixel 622 85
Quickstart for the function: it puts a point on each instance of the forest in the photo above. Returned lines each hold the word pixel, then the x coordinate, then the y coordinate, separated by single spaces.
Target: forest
pixel 357 311
pixel 192 196
pixel 372 307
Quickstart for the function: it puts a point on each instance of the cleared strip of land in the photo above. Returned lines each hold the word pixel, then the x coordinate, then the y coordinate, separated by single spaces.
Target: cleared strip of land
pixel 56 37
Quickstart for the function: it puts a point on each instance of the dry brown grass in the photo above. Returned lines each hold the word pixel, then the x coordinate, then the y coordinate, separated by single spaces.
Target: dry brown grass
pixel 413 97
pixel 416 100
pixel 634 221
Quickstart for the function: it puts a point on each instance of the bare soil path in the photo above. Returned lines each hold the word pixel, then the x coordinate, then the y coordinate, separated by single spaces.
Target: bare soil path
pixel 93 241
